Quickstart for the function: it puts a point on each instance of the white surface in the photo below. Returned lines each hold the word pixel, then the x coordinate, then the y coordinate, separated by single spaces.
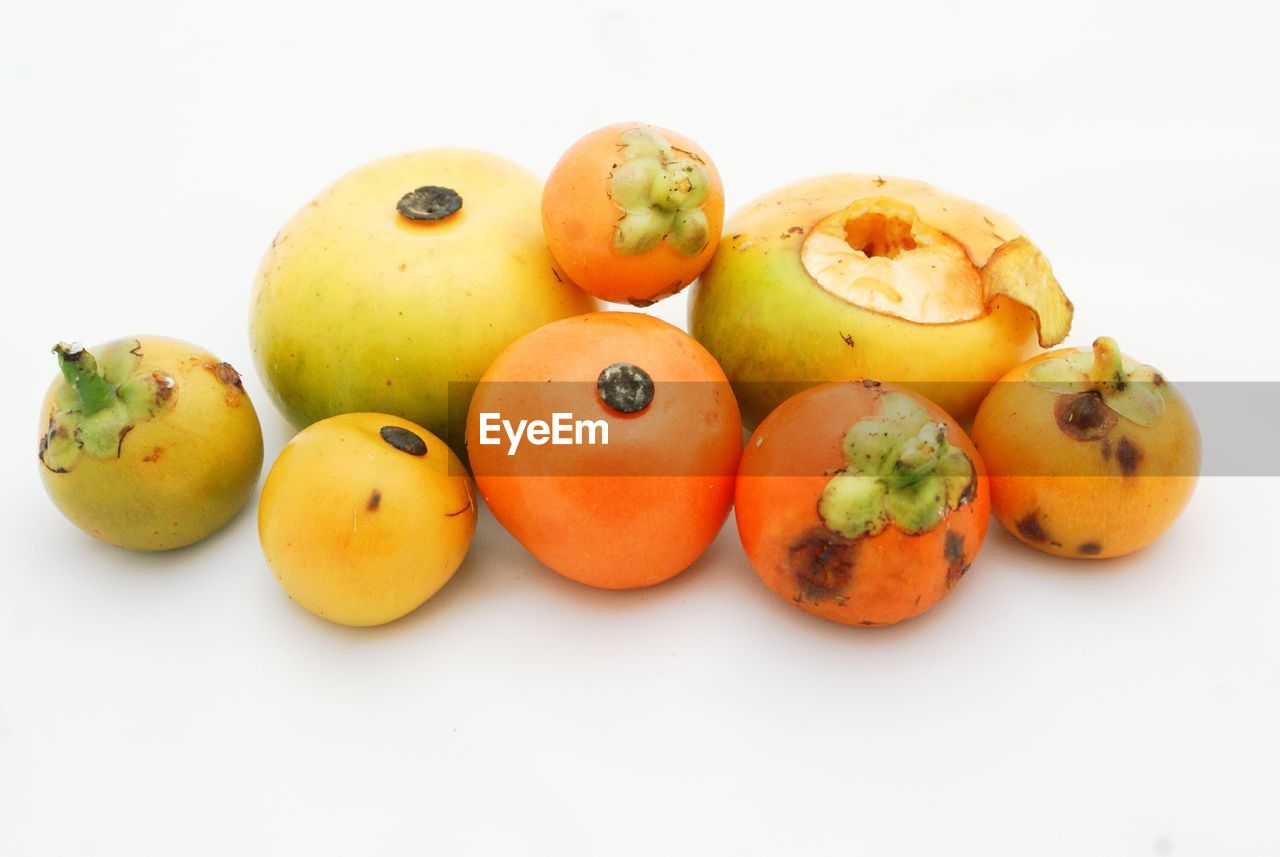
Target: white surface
pixel 180 704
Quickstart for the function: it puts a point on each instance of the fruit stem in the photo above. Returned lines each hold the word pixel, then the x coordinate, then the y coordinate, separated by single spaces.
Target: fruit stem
pixel 81 371
pixel 1108 364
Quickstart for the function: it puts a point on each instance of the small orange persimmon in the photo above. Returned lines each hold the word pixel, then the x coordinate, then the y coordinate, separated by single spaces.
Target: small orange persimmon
pixel 633 213
pixel 1091 453
pixel 861 502
pixel 607 444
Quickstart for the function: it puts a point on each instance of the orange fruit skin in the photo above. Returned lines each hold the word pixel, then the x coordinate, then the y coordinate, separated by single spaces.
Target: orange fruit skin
pixel 891 576
pixel 579 217
pixel 1072 498
pixel 642 508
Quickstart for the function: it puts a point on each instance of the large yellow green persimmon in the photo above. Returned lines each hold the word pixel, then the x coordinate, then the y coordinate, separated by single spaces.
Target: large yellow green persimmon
pixel 404 276
pixel 858 276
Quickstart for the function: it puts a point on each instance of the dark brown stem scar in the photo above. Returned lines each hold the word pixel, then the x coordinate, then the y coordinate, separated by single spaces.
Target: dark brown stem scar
pixel 1084 416
pixel 429 202
pixel 625 387
pixel 403 440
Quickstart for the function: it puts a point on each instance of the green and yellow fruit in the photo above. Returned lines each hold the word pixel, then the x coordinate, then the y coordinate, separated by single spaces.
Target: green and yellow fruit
pixel 405 275
pixel 148 443
pixel 853 276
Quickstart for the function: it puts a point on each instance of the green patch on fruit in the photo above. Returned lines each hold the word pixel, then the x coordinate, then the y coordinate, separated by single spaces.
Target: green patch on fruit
pixel 100 401
pixel 1127 387
pixel 899 469
pixel 660 191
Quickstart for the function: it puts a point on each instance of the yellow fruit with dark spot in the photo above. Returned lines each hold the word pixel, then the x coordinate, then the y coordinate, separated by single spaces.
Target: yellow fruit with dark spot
pixel 148 443
pixel 363 517
pixel 405 276
pixel 1091 454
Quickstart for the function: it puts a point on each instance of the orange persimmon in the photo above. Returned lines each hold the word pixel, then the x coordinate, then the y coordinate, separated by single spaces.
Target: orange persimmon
pixel 607 444
pixel 860 502
pixel 633 213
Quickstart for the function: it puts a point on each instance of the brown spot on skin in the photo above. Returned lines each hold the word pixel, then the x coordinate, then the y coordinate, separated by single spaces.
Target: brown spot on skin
pixel 1084 416
pixel 848 339
pixel 879 181
pixel 1090 549
pixel 375 500
pixel 164 387
pixel 822 564
pixel 953 553
pixel 1106 449
pixel 225 373
pixel 403 267
pixel 1158 380
pixel 795 230
pixel 1029 525
pixel 154 455
pixel 556 274
pixel 641 303
pixel 868 382
pixel 1128 456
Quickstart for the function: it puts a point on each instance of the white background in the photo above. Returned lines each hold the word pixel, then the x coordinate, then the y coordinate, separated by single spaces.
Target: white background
pixel 180 704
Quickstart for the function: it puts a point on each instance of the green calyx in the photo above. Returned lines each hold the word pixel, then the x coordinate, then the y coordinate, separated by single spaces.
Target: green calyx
pixel 1127 387
pixel 100 402
pixel 899 469
pixel 660 191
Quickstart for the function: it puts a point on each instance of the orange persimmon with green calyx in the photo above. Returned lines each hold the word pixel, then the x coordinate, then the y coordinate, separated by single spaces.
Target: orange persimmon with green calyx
pixel 861 502
pixel 853 276
pixel 633 213
pixel 636 490
pixel 1092 454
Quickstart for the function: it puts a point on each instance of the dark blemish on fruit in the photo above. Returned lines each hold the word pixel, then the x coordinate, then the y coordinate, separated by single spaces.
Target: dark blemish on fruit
pixel 225 373
pixel 403 440
pixel 625 387
pixel 879 181
pixel 1090 549
pixel 429 203
pixel 822 564
pixel 795 230
pixel 848 339
pixel 1030 526
pixel 953 553
pixel 120 445
pixel 136 350
pixel 868 382
pixel 641 303
pixel 1158 380
pixel 1084 416
pixel 460 511
pixel 556 274
pixel 154 455
pixel 1128 455
pixel 403 267
pixel 375 500
pixel 1106 449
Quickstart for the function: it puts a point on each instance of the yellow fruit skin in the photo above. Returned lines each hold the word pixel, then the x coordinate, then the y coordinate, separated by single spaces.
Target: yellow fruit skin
pixel 1071 498
pixel 180 476
pixel 357 309
pixel 357 531
pixel 776 331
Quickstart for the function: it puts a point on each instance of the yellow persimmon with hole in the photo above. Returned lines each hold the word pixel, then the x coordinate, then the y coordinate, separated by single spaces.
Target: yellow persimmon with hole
pixel 1091 453
pixel 858 276
pixel 363 517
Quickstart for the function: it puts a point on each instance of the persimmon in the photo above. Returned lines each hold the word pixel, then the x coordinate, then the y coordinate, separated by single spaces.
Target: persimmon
pixel 861 502
pixel 1092 454
pixel 640 481
pixel 633 213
